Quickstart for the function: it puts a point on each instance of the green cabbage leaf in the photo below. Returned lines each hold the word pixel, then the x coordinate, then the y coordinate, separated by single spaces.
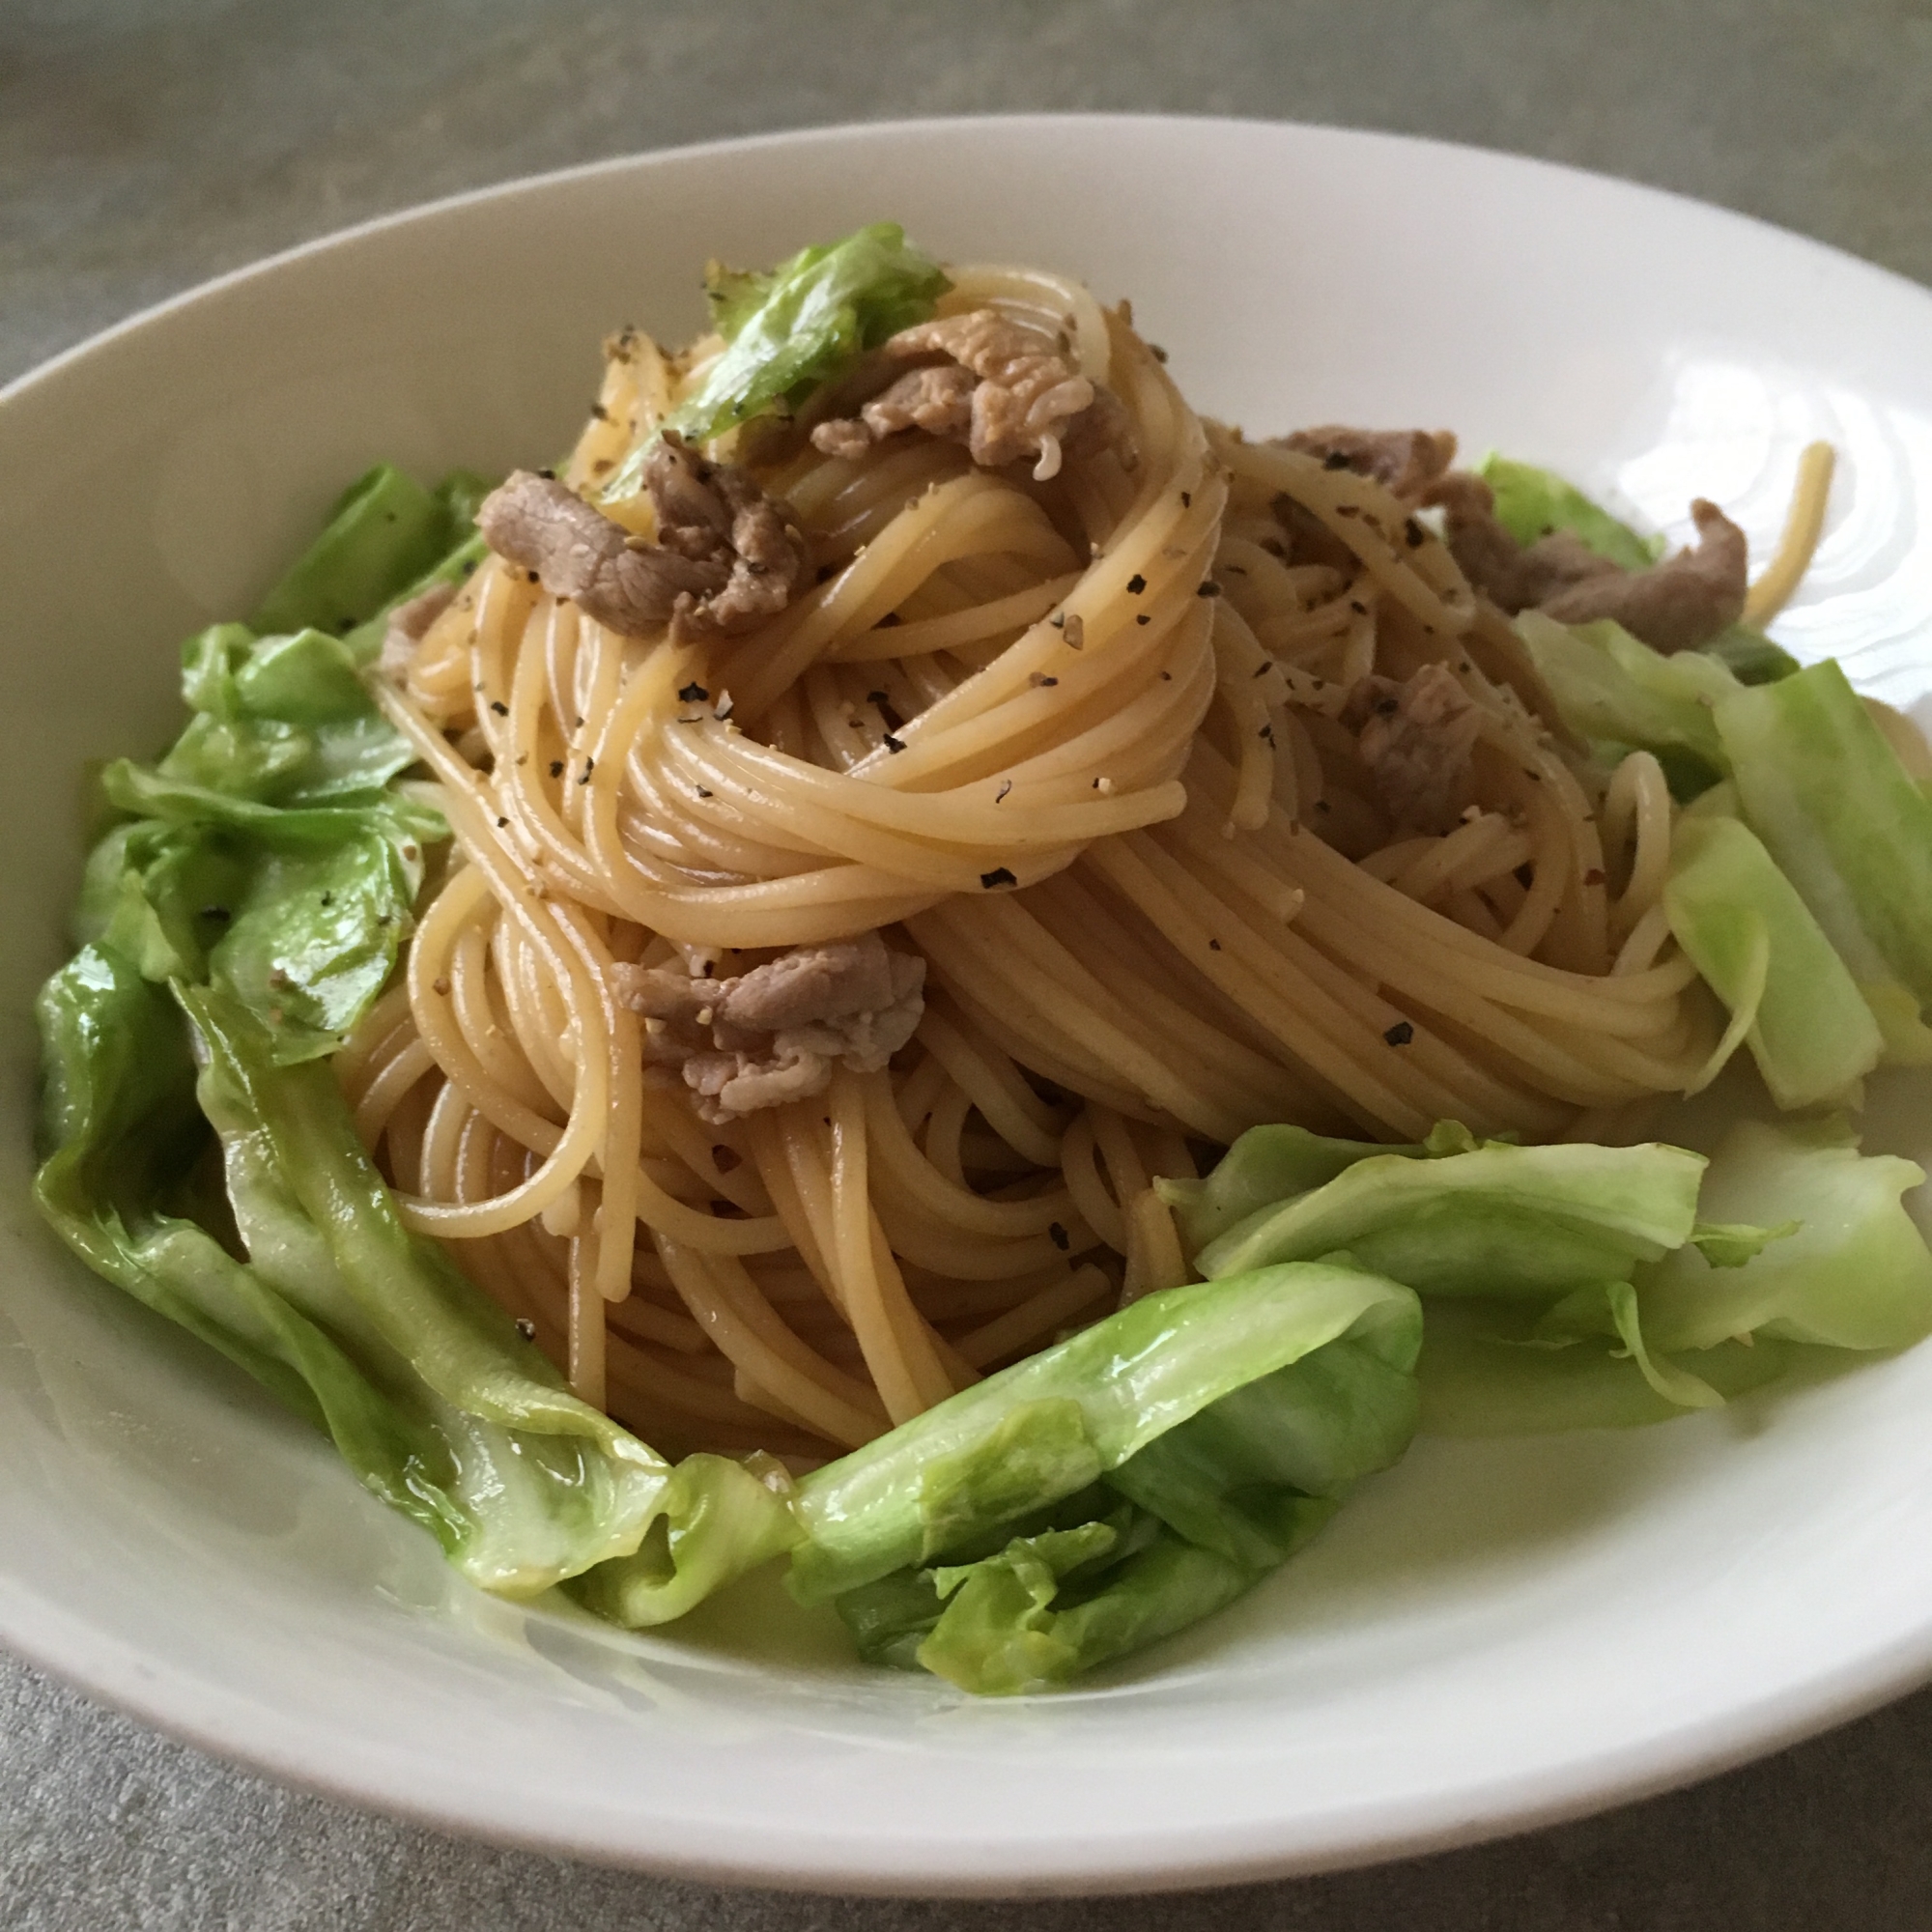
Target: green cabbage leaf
pixel 795 326
pixel 1119 1486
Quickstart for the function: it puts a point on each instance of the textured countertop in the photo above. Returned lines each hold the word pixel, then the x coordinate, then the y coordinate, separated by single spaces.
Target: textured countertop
pixel 145 147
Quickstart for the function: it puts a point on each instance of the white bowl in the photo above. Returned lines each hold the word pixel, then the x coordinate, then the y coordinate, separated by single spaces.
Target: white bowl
pixel 1491 1635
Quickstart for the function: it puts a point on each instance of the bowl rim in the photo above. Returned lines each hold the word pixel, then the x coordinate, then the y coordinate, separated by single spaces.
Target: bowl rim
pixel 113 1671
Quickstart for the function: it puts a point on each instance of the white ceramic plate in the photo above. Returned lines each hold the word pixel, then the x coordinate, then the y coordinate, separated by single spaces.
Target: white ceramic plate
pixel 1491 1635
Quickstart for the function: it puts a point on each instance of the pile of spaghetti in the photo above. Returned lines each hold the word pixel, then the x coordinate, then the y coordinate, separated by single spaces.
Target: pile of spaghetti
pixel 904 807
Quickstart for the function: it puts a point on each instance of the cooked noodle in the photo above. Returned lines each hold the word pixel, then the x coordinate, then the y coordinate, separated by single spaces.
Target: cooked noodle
pixel 1078 739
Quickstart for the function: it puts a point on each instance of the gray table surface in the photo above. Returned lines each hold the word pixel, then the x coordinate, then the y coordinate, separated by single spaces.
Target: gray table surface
pixel 144 147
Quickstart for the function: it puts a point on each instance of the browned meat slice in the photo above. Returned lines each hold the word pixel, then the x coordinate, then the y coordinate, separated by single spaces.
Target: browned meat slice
pixel 1674 606
pixel 715 513
pixel 409 624
pixel 1404 462
pixel 938 400
pixel 1416 738
pixel 763 1038
pixel 1511 577
pixel 726 556
pixel 1677 605
pixel 1003 389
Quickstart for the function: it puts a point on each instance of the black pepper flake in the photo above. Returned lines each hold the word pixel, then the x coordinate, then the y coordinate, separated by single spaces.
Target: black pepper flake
pixel 557 768
pixel 1136 583
pixel 1187 499
pixel 1356 605
pixel 589 766
pixel 1414 533
pixel 1594 876
pixel 1400 1034
pixel 1167 677
pixel 998 876
pixel 725 1158
pixel 1266 731
pixel 703 793
pixel 1061 1239
pixel 548 475
pixel 329 899
pixel 1348 510
pixel 534 576
pixel 1042 682
pixel 1207 588
pixel 1003 791
pixel 892 744
pixel 1334 459
pixel 526 1328
pixel 497 705
pixel 1144 619
pixel 1213 946
pixel 692 693
pixel 500 823
pixel 1158 353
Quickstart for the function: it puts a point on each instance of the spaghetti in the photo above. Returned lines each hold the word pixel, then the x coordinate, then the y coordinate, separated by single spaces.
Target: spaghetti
pixel 1085 738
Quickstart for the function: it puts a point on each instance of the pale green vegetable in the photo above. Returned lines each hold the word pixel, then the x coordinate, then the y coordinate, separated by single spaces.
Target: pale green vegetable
pixel 1819 783
pixel 1024 1620
pixel 1532 502
pixel 1610 1309
pixel 1750 656
pixel 1118 1487
pixel 1855 1274
pixel 268 852
pixel 1485 1370
pixel 1761 951
pixel 789 330
pixel 1049 1426
pixel 1614 689
pixel 382 534
pixel 1524 1223
pixel 1271 1164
